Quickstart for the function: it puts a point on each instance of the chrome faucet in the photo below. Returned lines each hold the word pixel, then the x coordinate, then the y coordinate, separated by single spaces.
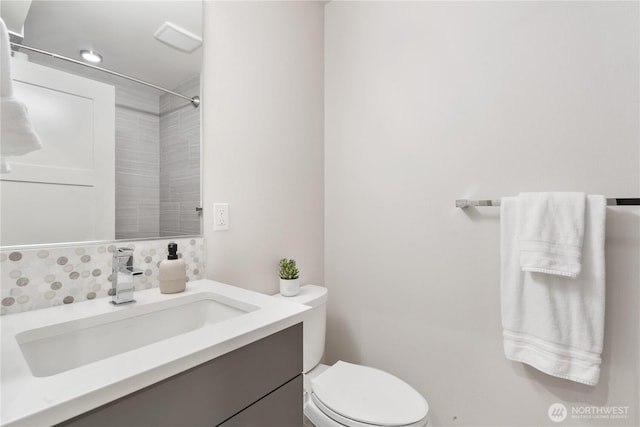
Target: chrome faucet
pixel 122 276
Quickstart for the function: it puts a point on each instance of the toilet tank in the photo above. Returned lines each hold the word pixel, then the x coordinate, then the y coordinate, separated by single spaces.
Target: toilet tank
pixel 314 323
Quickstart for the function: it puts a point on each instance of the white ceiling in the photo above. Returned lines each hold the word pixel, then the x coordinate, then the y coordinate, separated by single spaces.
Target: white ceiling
pixel 122 31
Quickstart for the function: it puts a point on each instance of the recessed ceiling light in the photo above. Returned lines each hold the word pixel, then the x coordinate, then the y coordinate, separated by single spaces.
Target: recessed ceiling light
pixel 91 56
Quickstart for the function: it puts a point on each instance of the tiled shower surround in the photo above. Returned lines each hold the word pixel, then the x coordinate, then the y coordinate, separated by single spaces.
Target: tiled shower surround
pixel 157 161
pixel 179 162
pixel 39 278
pixel 137 163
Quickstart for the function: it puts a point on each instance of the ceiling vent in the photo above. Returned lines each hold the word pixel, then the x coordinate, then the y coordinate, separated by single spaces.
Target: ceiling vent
pixel 177 37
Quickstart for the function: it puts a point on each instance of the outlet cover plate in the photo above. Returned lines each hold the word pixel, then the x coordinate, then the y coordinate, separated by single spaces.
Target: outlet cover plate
pixel 220 216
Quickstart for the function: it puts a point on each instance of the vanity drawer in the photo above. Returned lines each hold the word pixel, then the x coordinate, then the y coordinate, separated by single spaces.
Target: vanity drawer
pixel 211 393
pixel 275 410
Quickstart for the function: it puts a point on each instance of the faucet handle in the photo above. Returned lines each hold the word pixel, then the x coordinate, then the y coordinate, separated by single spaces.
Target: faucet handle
pixel 122 252
pixel 123 275
pixel 123 257
pixel 123 262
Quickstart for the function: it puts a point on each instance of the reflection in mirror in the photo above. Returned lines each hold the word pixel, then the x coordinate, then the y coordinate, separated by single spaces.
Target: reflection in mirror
pixel 119 160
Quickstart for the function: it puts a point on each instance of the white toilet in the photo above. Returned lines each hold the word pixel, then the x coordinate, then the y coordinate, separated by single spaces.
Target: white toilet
pixel 346 394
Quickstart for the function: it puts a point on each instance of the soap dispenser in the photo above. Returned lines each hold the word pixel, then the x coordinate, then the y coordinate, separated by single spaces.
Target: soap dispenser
pixel 173 272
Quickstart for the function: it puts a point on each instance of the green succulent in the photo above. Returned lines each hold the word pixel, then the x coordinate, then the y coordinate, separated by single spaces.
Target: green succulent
pixel 288 269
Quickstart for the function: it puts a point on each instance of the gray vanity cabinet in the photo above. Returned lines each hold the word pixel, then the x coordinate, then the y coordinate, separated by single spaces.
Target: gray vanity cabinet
pixel 257 385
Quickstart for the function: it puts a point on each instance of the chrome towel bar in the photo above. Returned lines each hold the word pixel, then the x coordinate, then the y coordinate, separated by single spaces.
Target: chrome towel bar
pixel 465 203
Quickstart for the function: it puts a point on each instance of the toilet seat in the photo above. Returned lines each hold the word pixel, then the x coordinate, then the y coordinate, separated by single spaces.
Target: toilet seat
pixel 360 396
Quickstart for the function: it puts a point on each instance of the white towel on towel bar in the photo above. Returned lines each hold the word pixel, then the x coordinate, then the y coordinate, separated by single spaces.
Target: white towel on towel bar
pixel 550 231
pixel 555 323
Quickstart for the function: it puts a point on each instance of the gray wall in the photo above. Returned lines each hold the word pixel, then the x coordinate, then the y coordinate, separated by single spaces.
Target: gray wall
pixel 263 149
pixel 427 102
pixel 422 103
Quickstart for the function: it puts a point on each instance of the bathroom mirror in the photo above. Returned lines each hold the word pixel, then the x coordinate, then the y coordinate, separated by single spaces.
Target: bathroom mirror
pixel 119 160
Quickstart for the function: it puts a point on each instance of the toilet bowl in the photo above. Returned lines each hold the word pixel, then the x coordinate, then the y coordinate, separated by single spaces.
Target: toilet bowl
pixel 346 394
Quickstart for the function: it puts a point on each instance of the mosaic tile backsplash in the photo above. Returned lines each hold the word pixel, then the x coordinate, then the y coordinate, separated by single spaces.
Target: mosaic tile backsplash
pixel 40 278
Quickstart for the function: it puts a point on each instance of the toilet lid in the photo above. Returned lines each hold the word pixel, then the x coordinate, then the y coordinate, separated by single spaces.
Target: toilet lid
pixel 368 395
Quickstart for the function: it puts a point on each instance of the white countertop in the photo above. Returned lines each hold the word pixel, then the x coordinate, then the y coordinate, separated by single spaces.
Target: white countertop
pixel 27 400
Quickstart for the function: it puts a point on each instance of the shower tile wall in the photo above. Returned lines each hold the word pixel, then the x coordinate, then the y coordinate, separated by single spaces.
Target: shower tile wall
pixel 180 162
pixel 137 164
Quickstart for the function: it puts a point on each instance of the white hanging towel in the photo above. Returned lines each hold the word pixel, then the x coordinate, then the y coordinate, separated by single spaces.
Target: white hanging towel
pixel 551 322
pixel 17 135
pixel 551 232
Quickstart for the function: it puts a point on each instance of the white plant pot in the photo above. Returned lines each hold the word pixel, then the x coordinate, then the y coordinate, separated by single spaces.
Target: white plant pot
pixel 289 288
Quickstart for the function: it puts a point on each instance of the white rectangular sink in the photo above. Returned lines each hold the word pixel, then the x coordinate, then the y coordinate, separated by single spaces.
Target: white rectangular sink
pixel 54 349
pixel 59 362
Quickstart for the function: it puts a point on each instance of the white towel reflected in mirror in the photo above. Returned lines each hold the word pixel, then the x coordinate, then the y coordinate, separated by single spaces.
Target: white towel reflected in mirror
pixel 17 135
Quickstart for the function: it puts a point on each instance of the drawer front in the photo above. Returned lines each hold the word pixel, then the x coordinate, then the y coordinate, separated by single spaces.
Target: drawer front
pixel 208 394
pixel 281 408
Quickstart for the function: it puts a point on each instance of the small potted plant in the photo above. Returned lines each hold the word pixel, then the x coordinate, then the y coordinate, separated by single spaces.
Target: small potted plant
pixel 289 278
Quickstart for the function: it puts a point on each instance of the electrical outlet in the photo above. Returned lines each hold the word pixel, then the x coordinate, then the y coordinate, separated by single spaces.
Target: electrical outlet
pixel 220 216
